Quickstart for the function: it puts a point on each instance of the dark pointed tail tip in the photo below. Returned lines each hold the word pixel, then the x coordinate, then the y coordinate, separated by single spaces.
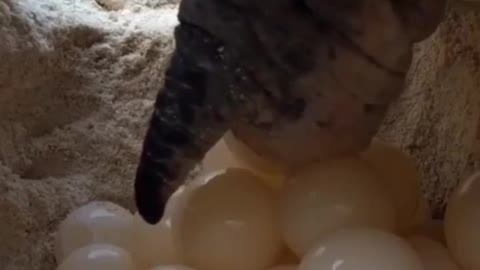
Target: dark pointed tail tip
pixel 148 197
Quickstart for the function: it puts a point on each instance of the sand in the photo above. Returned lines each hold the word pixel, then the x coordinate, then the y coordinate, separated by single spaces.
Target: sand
pixel 437 119
pixel 77 83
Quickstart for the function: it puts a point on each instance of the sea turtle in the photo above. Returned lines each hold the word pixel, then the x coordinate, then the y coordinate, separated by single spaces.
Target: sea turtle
pixel 296 80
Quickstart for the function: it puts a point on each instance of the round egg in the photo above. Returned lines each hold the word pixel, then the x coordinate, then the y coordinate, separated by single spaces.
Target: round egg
pixel 462 220
pixel 222 157
pixel 423 215
pixel 155 244
pixel 152 245
pixel 287 257
pixel 98 257
pixel 273 173
pixel 433 255
pixel 432 229
pixel 219 157
pixel 95 222
pixel 399 175
pixel 228 221
pixel 328 196
pixel 171 267
pixel 354 249
pixel 284 267
pixel 179 199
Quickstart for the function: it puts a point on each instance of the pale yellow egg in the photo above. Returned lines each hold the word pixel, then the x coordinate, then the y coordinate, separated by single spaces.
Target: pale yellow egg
pixel 172 267
pixel 328 196
pixel 98 257
pixel 462 220
pixel 287 257
pixel 152 245
pixel 95 222
pixel 434 256
pixel 354 249
pixel 432 229
pixel 284 267
pixel 273 173
pixel 155 244
pixel 423 224
pixel 400 176
pixel 423 215
pixel 228 152
pixel 179 199
pixel 219 157
pixel 228 222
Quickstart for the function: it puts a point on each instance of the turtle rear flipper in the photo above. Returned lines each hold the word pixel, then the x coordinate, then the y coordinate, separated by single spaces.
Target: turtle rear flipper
pixel 200 98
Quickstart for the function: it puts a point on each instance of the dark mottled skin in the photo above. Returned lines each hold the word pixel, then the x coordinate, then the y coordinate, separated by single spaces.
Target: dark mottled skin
pixel 297 80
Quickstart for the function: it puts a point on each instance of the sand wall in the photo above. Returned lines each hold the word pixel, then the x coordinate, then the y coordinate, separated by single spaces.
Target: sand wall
pixel 437 120
pixel 77 82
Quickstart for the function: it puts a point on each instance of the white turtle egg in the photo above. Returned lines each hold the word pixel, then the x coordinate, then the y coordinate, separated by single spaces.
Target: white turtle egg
pixel 228 221
pixel 328 196
pixel 95 222
pixel 272 173
pixel 423 215
pixel 98 257
pixel 219 157
pixel 231 153
pixel 354 249
pixel 423 224
pixel 287 257
pixel 171 267
pixel 284 267
pixel 399 175
pixel 434 229
pixel 434 256
pixel 152 245
pixel 462 220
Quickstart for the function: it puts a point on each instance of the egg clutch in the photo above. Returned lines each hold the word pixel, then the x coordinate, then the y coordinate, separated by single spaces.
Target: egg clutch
pixel 243 212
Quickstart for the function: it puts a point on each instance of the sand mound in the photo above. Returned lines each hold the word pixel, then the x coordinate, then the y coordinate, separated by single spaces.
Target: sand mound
pixel 78 79
pixel 437 120
pixel 77 82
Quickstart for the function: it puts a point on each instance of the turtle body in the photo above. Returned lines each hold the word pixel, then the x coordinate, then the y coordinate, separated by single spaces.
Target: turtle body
pixel 296 80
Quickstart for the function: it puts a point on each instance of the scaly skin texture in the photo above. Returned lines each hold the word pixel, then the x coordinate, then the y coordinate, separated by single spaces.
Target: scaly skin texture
pixel 296 80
